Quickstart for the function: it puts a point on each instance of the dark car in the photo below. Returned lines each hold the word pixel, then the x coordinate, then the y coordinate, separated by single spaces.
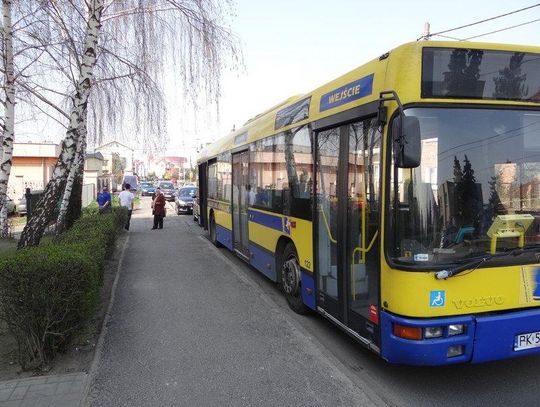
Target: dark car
pixel 184 199
pixel 147 188
pixel 167 189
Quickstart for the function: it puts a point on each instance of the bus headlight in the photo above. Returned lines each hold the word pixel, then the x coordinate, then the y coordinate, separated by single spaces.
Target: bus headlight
pixel 456 329
pixel 433 332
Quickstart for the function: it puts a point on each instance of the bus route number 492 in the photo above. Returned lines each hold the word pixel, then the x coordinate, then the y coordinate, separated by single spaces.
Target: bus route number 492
pixel 527 341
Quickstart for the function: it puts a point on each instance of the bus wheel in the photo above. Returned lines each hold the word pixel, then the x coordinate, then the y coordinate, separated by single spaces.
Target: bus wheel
pixel 290 277
pixel 213 236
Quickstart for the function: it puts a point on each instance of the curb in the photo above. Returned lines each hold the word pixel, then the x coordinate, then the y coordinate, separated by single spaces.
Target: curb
pixel 99 347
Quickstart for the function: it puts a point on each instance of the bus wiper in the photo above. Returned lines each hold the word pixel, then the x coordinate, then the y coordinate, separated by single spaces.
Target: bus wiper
pixel 474 264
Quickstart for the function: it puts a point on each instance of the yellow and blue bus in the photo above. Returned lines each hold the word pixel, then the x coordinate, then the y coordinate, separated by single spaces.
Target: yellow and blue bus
pixel 401 201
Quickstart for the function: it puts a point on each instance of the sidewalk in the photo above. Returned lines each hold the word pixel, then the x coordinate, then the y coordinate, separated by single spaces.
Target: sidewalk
pixel 186 327
pixel 44 391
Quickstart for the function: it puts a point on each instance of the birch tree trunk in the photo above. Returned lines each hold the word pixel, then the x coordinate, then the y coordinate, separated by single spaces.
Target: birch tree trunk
pixel 44 210
pixel 74 171
pixel 9 119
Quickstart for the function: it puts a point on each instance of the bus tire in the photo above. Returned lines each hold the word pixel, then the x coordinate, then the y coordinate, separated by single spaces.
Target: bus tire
pixel 212 231
pixel 290 279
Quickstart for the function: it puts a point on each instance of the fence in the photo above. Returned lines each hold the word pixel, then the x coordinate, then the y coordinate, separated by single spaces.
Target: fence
pixel 88 194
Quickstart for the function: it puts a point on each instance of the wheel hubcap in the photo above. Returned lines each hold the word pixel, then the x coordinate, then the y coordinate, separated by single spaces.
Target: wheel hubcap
pixel 291 276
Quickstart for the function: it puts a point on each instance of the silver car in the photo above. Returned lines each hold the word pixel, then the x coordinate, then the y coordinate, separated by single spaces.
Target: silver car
pixel 20 208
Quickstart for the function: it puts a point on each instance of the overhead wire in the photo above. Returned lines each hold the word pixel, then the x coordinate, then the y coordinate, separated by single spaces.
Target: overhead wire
pixel 485 20
pixel 502 29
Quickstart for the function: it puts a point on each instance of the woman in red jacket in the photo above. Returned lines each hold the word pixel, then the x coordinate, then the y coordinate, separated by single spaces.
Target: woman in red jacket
pixel 159 209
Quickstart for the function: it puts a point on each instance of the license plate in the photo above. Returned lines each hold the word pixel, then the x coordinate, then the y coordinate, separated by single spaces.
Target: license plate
pixel 527 341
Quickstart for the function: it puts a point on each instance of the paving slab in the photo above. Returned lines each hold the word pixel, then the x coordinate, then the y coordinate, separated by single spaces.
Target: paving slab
pixel 44 391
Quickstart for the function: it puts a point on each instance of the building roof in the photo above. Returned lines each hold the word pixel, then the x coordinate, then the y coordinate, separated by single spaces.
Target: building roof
pixel 112 143
pixel 97 155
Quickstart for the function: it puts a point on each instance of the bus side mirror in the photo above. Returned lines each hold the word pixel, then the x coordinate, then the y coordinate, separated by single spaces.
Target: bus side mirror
pixel 407 145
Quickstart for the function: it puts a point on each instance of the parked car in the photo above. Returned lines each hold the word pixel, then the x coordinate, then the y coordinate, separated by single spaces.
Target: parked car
pixel 184 200
pixel 20 207
pixel 147 188
pixel 167 188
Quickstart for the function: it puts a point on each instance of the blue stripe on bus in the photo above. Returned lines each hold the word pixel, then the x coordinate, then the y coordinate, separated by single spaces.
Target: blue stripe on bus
pixel 427 352
pixel 266 219
pixel 224 236
pixel 263 261
pixel 347 93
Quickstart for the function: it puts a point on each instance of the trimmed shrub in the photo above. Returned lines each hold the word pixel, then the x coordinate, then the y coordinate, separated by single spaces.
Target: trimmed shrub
pixel 47 293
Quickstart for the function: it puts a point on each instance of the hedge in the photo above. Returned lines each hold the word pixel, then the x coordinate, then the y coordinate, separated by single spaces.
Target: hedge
pixel 49 292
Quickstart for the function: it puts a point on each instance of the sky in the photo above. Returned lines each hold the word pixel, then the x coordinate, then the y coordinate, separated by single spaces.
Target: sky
pixel 293 46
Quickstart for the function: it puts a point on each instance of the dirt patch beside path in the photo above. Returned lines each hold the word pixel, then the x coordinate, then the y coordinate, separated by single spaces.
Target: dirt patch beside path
pixel 80 353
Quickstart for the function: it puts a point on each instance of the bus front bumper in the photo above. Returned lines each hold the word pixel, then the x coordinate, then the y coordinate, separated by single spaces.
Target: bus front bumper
pixel 485 338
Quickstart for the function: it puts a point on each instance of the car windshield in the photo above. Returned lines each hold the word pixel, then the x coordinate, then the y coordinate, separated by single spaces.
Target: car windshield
pixel 187 192
pixel 166 185
pixel 147 184
pixel 476 191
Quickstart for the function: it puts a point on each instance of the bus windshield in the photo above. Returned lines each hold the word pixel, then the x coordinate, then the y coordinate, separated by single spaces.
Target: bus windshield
pixel 476 191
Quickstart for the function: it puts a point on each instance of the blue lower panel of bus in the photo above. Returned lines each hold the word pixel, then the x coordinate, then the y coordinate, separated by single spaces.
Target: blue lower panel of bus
pixel 263 261
pixel 224 236
pixel 496 335
pixel 308 289
pixel 426 351
pixel 486 338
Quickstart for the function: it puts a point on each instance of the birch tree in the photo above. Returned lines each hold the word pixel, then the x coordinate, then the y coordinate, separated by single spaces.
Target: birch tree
pixel 34 229
pixel 132 39
pixel 8 127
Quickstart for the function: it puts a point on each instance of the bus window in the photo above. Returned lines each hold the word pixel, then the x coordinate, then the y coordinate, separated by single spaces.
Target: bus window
pixel 281 173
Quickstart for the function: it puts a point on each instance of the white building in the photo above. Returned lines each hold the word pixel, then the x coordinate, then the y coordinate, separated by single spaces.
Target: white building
pixel 124 152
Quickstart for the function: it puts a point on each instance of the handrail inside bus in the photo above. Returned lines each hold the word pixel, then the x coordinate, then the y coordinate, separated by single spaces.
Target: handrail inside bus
pixel 363 251
pixel 327 227
pixel 367 249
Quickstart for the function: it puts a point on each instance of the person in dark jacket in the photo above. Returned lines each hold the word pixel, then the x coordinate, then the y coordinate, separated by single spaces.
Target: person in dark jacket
pixel 159 209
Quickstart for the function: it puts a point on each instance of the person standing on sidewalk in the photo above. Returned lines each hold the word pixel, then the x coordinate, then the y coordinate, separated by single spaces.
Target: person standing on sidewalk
pixel 104 199
pixel 126 200
pixel 158 206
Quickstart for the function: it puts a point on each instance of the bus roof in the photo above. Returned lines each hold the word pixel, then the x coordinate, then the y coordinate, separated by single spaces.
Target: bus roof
pixel 398 70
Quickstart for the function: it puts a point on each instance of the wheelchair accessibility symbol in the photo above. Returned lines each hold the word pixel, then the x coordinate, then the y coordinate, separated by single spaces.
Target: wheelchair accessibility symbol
pixel 437 298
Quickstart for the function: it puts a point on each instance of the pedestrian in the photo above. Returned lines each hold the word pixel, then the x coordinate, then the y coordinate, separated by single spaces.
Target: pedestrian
pixel 159 212
pixel 104 199
pixel 126 201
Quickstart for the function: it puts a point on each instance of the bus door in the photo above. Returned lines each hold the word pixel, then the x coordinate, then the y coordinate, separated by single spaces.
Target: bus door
pixel 240 202
pixel 346 234
pixel 202 195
